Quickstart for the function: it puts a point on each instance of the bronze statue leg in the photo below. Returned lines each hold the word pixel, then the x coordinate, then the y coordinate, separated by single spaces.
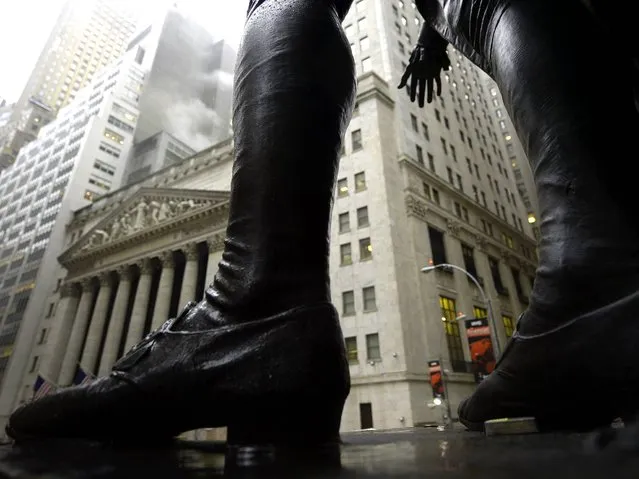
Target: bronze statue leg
pixel 569 92
pixel 263 353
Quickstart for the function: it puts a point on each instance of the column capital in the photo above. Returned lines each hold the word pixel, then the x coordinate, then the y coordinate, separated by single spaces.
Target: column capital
pixel 105 279
pixel 190 251
pixel 166 257
pixel 68 290
pixel 85 284
pixel 124 272
pixel 216 243
pixel 145 265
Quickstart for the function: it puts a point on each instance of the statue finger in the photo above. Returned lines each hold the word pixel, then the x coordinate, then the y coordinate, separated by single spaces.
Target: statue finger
pixel 429 99
pixel 422 91
pixel 438 82
pixel 404 79
pixel 413 88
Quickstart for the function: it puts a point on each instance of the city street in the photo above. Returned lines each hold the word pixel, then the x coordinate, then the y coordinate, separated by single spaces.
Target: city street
pixel 370 454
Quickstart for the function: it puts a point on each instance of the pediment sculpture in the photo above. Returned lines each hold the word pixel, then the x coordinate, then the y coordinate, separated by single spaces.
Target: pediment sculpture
pixel 145 213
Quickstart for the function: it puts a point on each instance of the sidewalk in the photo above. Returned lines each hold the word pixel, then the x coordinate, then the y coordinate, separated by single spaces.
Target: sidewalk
pixel 403 453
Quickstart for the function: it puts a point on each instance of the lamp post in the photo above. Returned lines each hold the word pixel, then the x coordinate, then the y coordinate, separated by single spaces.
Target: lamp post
pixel 491 316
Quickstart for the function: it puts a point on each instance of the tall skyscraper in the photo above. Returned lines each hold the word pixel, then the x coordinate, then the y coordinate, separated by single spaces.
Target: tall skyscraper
pixel 88 35
pixel 77 158
pixel 187 93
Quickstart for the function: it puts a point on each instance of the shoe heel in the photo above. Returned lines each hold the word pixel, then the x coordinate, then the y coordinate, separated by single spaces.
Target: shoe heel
pixel 280 436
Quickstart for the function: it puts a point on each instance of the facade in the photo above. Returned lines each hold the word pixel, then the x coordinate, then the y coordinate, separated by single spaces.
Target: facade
pixel 518 161
pixel 6 109
pixel 22 130
pixel 188 90
pixel 154 153
pixel 79 157
pixel 88 35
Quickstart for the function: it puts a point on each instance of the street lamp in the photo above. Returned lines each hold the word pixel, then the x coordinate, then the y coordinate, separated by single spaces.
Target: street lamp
pixel 491 317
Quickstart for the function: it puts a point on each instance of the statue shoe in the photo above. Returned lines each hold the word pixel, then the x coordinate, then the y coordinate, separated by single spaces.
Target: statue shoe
pixel 577 377
pixel 274 381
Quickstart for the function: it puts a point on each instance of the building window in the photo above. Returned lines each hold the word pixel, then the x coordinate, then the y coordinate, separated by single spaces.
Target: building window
pixel 509 325
pixel 351 349
pixel 346 255
pixel 469 259
pixel 413 122
pixel 50 310
pixel 444 146
pixel 517 281
pixel 362 217
pixel 43 336
pixel 431 162
pixel 348 303
pixel 479 313
pixel 450 175
pixel 436 196
pixel 453 337
pixel 426 190
pixel 356 139
pixel 360 182
pixel 344 223
pixel 90 195
pixel 369 300
pixel 113 136
pixel 425 130
pixel 372 347
pixel 367 64
pixel 34 364
pixel 342 187
pixel 420 154
pixel 494 271
pixel 365 249
pixel 437 246
pixel 364 43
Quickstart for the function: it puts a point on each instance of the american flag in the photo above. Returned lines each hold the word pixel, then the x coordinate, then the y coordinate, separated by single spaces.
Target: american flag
pixel 42 387
pixel 82 377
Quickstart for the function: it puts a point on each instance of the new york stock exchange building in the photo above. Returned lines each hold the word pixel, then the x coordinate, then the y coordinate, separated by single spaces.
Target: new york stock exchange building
pixel 134 258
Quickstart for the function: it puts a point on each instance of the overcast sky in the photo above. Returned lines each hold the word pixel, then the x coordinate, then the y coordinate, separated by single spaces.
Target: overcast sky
pixel 26 24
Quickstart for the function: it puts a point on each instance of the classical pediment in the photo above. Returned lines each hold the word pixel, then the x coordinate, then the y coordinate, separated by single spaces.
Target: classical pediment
pixel 149 212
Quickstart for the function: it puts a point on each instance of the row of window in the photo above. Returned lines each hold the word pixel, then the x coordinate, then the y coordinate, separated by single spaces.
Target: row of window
pixel 362 218
pixel 369 301
pixel 346 252
pixel 438 250
pixel 373 352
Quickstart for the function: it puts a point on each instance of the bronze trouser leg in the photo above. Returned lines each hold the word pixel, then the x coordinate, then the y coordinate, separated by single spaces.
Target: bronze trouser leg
pixel 569 92
pixel 294 92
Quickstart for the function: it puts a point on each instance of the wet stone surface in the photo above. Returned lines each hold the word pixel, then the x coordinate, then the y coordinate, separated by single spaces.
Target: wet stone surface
pixel 376 454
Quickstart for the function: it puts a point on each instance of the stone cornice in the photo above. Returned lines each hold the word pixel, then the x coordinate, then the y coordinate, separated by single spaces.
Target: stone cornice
pixel 370 85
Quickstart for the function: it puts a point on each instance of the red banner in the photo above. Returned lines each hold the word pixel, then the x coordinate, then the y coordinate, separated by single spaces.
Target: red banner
pixel 436 379
pixel 480 343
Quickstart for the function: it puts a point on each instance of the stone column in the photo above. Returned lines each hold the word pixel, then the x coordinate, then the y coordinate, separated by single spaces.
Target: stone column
pixel 80 324
pixel 216 247
pixel 189 282
pixel 116 325
pixel 165 290
pixel 96 329
pixel 61 328
pixel 140 305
